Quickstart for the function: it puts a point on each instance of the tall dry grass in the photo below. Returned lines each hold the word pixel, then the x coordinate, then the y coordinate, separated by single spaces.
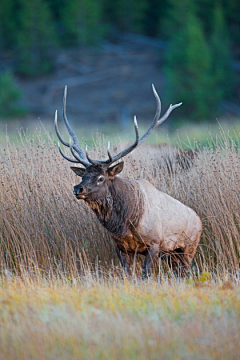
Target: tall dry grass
pixel 44 228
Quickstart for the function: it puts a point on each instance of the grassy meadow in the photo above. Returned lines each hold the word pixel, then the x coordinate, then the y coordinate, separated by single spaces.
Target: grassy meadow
pixel 93 318
pixel 62 292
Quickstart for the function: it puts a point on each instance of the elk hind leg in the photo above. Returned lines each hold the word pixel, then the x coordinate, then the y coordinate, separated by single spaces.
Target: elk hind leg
pixel 124 259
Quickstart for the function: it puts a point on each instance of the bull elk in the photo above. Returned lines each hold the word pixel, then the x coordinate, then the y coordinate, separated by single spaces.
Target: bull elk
pixel 140 218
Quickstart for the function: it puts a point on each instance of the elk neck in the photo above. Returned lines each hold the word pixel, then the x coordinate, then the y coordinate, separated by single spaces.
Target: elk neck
pixel 120 207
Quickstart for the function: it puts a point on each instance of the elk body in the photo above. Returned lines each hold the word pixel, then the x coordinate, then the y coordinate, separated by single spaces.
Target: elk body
pixel 140 218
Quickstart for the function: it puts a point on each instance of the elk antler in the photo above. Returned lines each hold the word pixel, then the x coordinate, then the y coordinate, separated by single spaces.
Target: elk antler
pixel 156 121
pixel 74 147
pixel 87 161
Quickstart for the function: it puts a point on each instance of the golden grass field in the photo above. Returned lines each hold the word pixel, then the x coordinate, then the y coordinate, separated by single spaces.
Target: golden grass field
pixel 89 318
pixel 62 292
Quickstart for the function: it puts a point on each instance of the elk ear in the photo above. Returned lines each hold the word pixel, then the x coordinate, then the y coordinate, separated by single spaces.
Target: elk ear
pixel 78 171
pixel 116 169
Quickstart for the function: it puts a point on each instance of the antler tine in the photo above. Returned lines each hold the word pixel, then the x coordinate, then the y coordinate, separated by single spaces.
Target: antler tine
pixel 99 162
pixel 58 133
pixel 156 117
pixel 111 159
pixel 74 153
pixel 65 156
pixel 168 112
pixel 93 162
pixel 157 120
pixel 81 158
pixel 131 147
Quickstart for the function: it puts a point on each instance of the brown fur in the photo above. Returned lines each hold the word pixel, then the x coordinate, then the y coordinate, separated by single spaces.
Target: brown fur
pixel 140 218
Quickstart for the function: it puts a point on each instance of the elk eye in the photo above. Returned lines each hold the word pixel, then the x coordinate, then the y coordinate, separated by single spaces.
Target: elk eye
pixel 101 178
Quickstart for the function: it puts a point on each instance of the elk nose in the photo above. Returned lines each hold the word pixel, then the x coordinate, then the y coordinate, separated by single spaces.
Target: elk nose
pixel 78 189
pixel 81 189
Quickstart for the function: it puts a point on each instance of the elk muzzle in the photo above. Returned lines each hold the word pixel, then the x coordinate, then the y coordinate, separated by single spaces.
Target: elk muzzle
pixel 79 191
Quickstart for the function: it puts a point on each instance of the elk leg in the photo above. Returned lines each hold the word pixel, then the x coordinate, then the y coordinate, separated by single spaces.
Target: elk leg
pixel 124 260
pixel 150 260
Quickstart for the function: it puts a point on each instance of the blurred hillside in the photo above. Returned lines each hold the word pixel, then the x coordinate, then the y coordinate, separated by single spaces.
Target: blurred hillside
pixel 109 53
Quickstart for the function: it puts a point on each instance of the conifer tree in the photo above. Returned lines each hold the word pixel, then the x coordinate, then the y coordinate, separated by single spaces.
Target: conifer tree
pixel 155 12
pixel 8 25
pixel 36 37
pixel 82 21
pixel 232 11
pixel 177 14
pixel 220 48
pixel 126 15
pixel 188 69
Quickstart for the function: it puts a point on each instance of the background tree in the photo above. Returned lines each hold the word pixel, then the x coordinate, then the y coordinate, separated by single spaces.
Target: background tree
pixel 8 24
pixel 176 17
pixel 198 51
pixel 126 15
pixel 220 53
pixel 188 69
pixel 82 20
pixel 231 11
pixel 35 38
pixel 154 15
pixel 232 8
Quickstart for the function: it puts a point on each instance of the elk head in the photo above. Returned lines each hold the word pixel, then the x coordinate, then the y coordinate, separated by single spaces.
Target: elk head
pixel 97 174
pixel 94 180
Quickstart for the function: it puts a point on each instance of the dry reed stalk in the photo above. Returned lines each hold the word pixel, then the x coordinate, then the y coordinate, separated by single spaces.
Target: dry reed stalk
pixel 43 226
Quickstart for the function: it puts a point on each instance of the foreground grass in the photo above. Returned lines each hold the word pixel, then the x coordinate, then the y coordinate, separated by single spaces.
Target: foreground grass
pixel 113 319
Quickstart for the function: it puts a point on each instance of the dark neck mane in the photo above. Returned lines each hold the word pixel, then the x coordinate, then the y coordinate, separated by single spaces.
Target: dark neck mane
pixel 120 208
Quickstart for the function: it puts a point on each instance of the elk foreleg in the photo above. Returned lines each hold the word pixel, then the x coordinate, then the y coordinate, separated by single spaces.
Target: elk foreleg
pixel 125 260
pixel 150 260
